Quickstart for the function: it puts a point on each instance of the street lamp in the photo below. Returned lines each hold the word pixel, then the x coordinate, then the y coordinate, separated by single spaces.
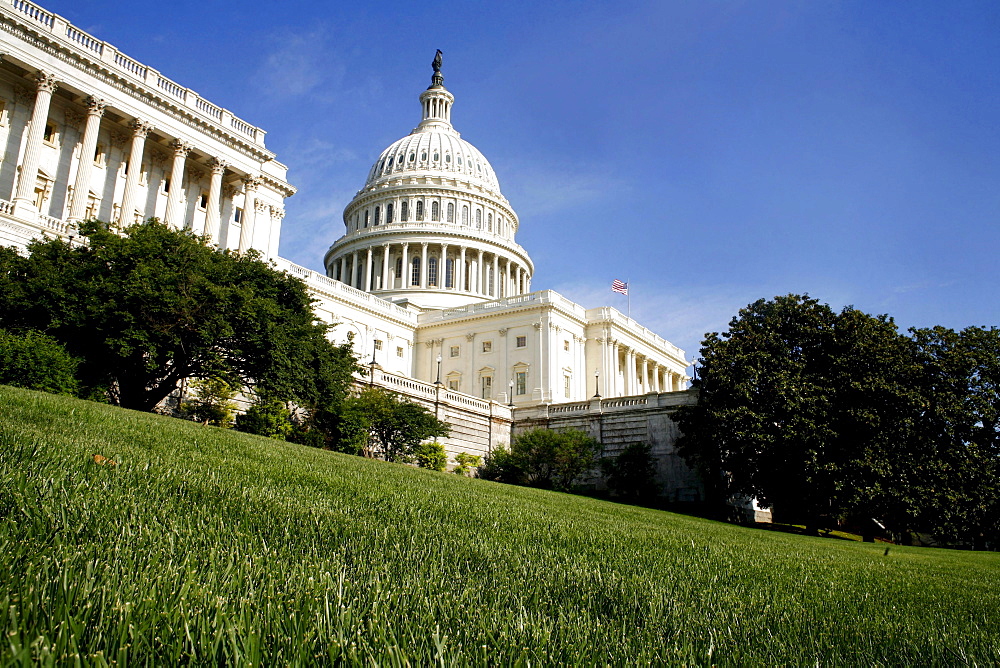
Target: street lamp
pixel 372 364
pixel 510 395
pixel 597 383
pixel 438 381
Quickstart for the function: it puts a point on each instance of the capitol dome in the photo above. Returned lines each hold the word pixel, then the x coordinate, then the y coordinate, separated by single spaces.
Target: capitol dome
pixel 430 226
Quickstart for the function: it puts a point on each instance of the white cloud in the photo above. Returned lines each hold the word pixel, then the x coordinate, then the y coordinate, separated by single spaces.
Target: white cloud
pixel 299 63
pixel 550 189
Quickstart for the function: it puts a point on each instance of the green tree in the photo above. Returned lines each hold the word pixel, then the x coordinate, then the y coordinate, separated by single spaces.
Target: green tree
pixel 150 306
pixel 632 474
pixel 266 416
pixel 545 459
pixel 377 423
pixel 37 362
pixel 430 455
pixel 466 463
pixel 212 402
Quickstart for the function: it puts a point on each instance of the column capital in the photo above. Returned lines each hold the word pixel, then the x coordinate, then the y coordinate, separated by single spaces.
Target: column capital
pixel 277 212
pixel 139 127
pixel 181 148
pixel 251 182
pixel 261 206
pixel 45 82
pixel 95 106
pixel 217 165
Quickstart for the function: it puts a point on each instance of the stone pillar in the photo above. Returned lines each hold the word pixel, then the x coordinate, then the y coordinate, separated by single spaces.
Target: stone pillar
pixel 496 277
pixel 645 376
pixel 404 281
pixel 443 268
pixel 369 282
pixel 385 266
pixel 140 129
pixel 213 216
pixel 423 265
pixel 480 288
pixel 460 271
pixel 508 286
pixel 355 270
pixel 175 212
pixel 24 198
pixel 81 184
pixel 250 184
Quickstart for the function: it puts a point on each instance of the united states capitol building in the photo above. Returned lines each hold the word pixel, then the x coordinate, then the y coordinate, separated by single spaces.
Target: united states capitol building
pixel 427 280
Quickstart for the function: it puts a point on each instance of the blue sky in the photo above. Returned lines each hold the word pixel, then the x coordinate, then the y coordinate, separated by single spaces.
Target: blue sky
pixel 710 152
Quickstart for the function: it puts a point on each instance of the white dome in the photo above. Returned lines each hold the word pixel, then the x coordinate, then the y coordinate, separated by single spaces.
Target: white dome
pixel 434 151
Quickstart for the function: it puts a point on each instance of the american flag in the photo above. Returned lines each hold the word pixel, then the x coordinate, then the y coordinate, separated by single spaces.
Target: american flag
pixel 619 286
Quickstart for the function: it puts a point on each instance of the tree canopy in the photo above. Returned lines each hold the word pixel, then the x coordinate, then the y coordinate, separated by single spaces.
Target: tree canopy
pixel 818 413
pixel 146 307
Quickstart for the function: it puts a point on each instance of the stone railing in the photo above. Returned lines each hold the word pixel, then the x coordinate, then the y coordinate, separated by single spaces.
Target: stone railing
pixel 326 284
pixel 68 36
pixel 6 207
pixel 540 297
pixel 436 226
pixel 606 313
pixel 418 389
pixel 618 404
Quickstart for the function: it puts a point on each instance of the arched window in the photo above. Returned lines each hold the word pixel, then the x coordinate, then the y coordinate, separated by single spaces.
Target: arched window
pixel 489 222
pixel 435 210
pixel 465 215
pixel 404 211
pixel 423 156
pixel 399 267
pixel 489 283
pixel 420 209
pixel 366 218
pixel 451 212
pixel 378 215
pixel 447 157
pixel 415 272
pixel 437 156
pixel 388 213
pixel 432 271
pixel 449 273
pixel 413 156
pixel 479 219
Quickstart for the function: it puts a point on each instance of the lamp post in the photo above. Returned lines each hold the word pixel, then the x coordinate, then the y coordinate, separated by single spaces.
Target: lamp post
pixel 597 383
pixel 438 381
pixel 371 365
pixel 437 390
pixel 510 395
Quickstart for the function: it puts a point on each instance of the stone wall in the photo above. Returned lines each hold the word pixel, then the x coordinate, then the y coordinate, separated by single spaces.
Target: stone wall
pixel 621 421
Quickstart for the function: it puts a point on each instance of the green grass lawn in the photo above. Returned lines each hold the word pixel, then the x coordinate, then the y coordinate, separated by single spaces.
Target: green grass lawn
pixel 206 546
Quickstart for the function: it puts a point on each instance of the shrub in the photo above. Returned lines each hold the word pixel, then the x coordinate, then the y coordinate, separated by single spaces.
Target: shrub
pixel 213 402
pixel 632 474
pixel 266 417
pixel 466 463
pixel 543 458
pixel 430 455
pixel 37 362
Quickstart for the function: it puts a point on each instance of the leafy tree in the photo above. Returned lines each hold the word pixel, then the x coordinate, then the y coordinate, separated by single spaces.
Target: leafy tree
pixel 466 463
pixel 266 416
pixel 377 423
pixel 430 455
pixel 545 459
pixel 632 474
pixel 37 362
pixel 212 403
pixel 152 305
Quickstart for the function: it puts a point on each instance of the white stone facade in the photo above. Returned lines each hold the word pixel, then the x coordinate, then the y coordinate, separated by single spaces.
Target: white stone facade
pixel 427 281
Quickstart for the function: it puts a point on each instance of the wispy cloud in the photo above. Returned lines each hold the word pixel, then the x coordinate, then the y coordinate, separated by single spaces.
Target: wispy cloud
pixel 299 63
pixel 554 188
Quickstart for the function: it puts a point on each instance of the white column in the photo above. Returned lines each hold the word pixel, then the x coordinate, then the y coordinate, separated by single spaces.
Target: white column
pixel 81 184
pixel 213 217
pixel 175 214
pixel 443 267
pixel 645 376
pixel 385 266
pixel 423 265
pixel 508 286
pixel 369 283
pixel 24 199
pixel 250 184
pixel 460 271
pixel 355 270
pixel 404 281
pixel 140 129
pixel 496 277
pixel 480 288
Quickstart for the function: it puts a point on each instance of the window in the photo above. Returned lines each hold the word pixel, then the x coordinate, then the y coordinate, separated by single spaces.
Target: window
pixel 479 219
pixel 399 266
pixel 238 215
pixel 423 156
pixel 404 211
pixel 459 160
pixel 454 351
pixel 489 222
pixel 487 346
pixel 566 386
pixel 399 351
pixel 520 382
pixel 378 215
pixel 432 271
pixel 566 345
pixel 486 387
pixel 413 156
pixel 203 200
pixel 165 185
pixel 447 157
pixel 378 344
pixel 420 209
pixel 490 281
pixel 99 155
pixel 435 211
pixel 415 273
pixel 50 133
pixel 437 156
pixel 388 213
pixel 453 384
pixel 522 341
pixel 465 215
pixel 366 217
pixel 451 212
pixel 449 273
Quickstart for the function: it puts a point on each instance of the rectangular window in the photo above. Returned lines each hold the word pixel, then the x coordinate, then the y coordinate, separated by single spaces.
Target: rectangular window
pixel 487 387
pixel 566 386
pixel 455 351
pixel 521 382
pixel 50 133
pixel 453 385
pixel 166 185
pixel 203 201
pixel 566 345
pixel 238 215
pixel 522 341
pixel 487 346
pixel 378 344
pixel 399 351
pixel 99 155
pixel 449 273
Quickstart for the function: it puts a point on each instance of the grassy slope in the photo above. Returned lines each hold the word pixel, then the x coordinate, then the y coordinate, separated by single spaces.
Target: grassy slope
pixel 211 545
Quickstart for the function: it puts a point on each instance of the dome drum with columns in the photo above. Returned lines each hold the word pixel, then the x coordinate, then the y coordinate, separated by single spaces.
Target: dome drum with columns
pixel 431 227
